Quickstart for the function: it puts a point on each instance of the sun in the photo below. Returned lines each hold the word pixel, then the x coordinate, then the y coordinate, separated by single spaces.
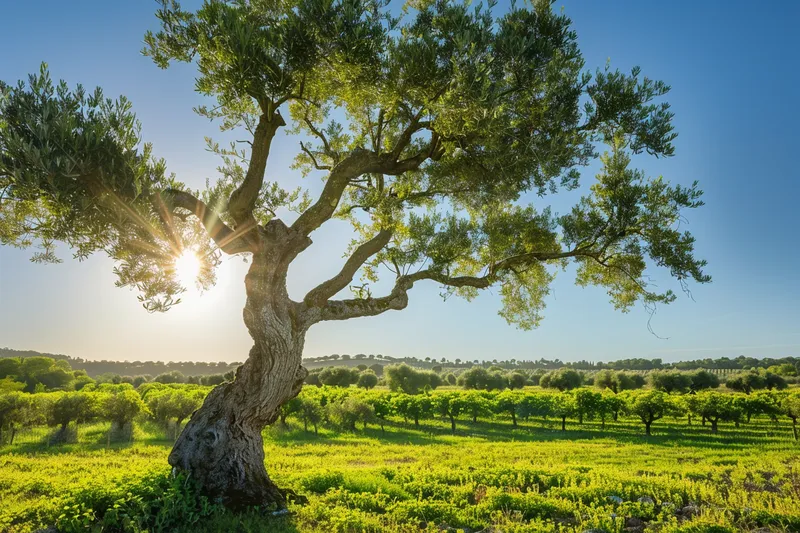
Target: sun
pixel 187 268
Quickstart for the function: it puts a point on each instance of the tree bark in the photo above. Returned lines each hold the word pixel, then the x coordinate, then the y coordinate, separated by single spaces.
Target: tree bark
pixel 647 428
pixel 563 423
pixel 221 447
pixel 714 427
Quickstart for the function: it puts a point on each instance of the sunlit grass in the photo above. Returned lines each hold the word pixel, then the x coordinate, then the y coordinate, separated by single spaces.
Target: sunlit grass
pixel 534 478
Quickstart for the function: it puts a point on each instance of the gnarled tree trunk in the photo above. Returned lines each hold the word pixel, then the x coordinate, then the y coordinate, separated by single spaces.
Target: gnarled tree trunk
pixel 221 447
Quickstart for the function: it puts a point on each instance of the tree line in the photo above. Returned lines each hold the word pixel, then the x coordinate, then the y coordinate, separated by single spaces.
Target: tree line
pixel 40 374
pixel 104 368
pixel 347 408
pixel 411 380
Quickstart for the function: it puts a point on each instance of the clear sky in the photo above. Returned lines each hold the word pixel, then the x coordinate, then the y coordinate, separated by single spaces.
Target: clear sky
pixel 733 67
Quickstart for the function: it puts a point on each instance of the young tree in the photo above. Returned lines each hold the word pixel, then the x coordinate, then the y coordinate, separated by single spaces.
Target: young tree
pixel 121 408
pixel 414 407
pixel 510 402
pixel 479 378
pixel 367 380
pixel 790 406
pixel 670 381
pixel 381 404
pixel 609 405
pixel 410 380
pixel 587 403
pixel 516 380
pixel 649 406
pixel 344 414
pixel 477 403
pixel 563 406
pixel 15 410
pixel 563 380
pixel 451 405
pixel 760 403
pixel 746 382
pixel 310 412
pixel 338 376
pixel 69 407
pixel 606 379
pixel 715 406
pixel 702 380
pixel 447 110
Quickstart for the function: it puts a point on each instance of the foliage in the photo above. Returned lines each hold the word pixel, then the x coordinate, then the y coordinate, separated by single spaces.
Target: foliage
pixel 170 377
pixel 480 378
pixel 409 380
pixel 39 372
pixel 715 406
pixel 564 379
pixel 121 407
pixel 367 380
pixel 72 407
pixel 339 376
pixel 703 379
pixel 670 381
pixel 650 406
pixel 429 127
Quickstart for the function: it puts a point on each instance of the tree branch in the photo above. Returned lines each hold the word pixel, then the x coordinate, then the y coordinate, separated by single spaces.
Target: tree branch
pixel 330 153
pixel 398 298
pixel 327 289
pixel 350 168
pixel 243 199
pixel 228 240
pixel 313 159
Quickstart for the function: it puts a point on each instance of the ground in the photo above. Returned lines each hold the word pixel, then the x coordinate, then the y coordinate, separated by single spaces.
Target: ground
pixel 488 477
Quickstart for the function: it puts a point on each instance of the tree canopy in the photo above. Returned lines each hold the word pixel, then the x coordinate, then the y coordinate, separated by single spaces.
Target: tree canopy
pixel 431 130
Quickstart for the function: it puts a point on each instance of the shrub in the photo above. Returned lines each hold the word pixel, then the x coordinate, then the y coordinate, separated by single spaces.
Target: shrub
pixel 121 408
pixel 338 376
pixel 367 380
pixel 563 379
pixel 670 381
pixel 479 378
pixel 171 377
pixel 346 413
pixel 410 380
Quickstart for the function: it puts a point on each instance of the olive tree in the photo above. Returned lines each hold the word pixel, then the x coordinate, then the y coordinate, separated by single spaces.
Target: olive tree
pixel 715 406
pixel 650 406
pixel 791 408
pixel 69 407
pixel 431 132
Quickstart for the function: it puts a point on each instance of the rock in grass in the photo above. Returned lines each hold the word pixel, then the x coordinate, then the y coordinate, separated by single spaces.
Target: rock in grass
pixel 615 499
pixel 633 522
pixel 689 510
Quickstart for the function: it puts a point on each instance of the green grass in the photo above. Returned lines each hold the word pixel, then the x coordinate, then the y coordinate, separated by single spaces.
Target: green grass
pixel 534 478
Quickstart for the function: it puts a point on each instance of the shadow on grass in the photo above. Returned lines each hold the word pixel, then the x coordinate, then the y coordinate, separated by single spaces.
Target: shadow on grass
pixel 437 432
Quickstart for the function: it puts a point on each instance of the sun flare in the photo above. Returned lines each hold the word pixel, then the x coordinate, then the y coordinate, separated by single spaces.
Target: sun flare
pixel 187 268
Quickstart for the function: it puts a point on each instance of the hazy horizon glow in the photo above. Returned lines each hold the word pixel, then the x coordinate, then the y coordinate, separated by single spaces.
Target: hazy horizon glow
pixel 732 90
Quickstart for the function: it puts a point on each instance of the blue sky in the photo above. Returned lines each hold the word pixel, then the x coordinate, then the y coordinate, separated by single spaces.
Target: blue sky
pixel 733 68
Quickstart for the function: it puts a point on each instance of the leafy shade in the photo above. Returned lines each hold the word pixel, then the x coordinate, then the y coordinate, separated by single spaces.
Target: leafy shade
pixel 429 130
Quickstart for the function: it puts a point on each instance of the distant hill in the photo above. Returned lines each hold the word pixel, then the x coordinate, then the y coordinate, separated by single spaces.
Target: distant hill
pixel 129 368
pixel 189 368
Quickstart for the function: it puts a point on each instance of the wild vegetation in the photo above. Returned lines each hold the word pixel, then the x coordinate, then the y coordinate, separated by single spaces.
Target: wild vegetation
pixel 356 459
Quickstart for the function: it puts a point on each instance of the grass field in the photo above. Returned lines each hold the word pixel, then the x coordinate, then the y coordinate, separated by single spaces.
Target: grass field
pixel 487 477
